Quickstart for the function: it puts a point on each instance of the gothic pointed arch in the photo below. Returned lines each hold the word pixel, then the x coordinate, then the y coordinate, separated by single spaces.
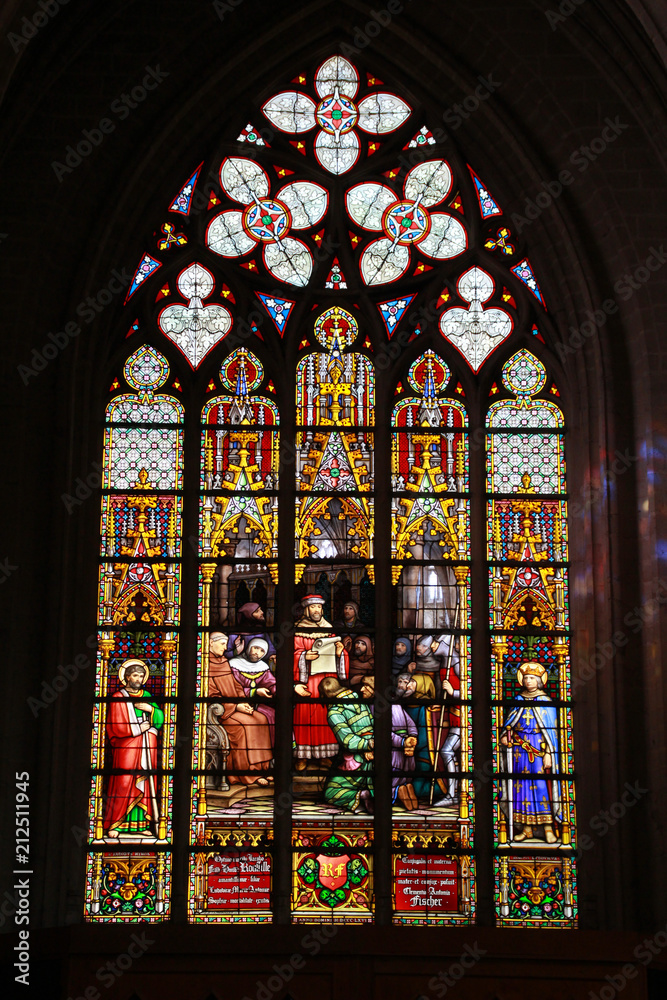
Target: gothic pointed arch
pixel 339 299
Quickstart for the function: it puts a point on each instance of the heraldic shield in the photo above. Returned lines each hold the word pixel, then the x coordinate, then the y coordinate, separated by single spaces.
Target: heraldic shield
pixel 333 871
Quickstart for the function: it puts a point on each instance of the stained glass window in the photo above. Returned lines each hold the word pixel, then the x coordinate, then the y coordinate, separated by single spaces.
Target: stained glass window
pixel 340 301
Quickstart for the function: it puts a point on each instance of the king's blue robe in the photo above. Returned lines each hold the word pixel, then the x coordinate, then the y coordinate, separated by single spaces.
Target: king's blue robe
pixel 535 798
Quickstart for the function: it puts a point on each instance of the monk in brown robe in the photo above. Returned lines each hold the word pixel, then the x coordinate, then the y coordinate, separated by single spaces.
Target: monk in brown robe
pixel 248 730
pixel 362 658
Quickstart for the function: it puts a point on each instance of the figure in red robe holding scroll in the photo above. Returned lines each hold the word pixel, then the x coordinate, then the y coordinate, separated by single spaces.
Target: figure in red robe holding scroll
pixel 317 654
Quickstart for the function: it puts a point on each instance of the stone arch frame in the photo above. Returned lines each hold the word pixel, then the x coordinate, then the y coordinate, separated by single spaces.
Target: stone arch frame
pixel 610 422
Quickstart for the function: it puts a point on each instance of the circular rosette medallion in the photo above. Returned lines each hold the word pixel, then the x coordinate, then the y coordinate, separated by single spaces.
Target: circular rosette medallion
pixel 241 372
pixel 524 374
pixel 528 577
pixel 267 220
pixel 406 223
pixel 140 573
pixel 428 374
pixel 336 114
pixel 336 324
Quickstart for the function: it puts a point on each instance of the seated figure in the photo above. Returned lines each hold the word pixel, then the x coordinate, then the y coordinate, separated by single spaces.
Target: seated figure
pixel 248 729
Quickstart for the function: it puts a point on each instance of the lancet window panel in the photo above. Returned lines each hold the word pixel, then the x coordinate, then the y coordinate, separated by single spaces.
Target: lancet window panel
pixel 534 813
pixel 433 874
pixel 334 746
pixel 231 864
pixel 334 643
pixel 134 715
pixel 335 401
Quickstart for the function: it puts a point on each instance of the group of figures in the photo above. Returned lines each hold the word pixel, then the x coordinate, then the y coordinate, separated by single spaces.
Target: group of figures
pixel 333 724
pixel 241 674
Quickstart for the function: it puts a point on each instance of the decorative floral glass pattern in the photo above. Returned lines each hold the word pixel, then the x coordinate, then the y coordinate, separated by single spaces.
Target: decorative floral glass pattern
pixel 476 331
pixel 195 328
pixel 406 221
pixel 267 221
pixel 337 114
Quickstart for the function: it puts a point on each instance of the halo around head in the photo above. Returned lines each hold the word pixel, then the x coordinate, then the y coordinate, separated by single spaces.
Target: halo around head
pixel 531 667
pixel 128 665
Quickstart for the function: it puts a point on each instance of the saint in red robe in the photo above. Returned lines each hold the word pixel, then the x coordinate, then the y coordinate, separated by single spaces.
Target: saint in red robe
pixel 131 802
